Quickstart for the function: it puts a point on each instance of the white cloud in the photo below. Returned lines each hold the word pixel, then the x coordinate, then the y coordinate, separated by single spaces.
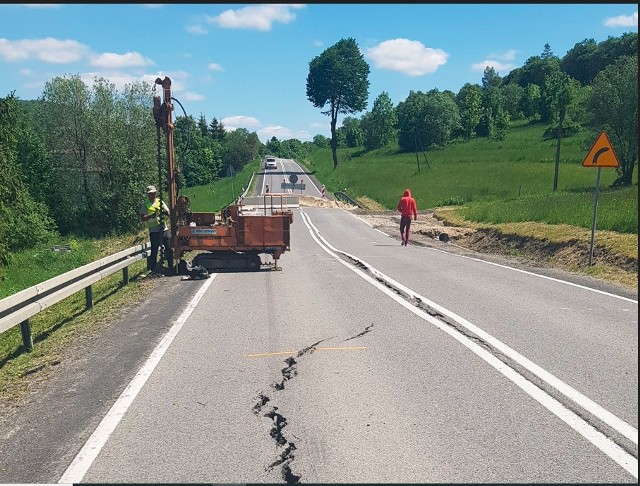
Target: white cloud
pixel 409 57
pixel 215 67
pixel 153 5
pixel 509 55
pixel 47 50
pixel 26 72
pixel 197 30
pixel 240 121
pixel 119 80
pixel 499 62
pixel 259 17
pixel 318 43
pixel 282 133
pixel 110 60
pixel 623 21
pixel 189 96
pixel 500 67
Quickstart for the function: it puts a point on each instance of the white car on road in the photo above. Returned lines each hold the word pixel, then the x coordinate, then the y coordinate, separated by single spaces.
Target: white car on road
pixel 270 163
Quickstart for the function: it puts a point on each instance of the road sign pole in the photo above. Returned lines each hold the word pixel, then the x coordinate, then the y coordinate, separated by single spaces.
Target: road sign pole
pixel 595 215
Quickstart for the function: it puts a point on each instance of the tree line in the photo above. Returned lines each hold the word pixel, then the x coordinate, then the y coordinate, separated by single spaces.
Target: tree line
pixel 595 85
pixel 77 159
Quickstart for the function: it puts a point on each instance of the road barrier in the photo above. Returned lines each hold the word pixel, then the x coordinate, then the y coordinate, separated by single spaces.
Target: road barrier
pixel 20 307
pixel 344 197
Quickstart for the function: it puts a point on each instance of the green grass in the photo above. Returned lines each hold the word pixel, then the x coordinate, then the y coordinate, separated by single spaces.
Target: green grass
pixel 510 180
pixel 214 197
pixel 33 266
pixel 617 209
pixel 53 328
pixel 57 326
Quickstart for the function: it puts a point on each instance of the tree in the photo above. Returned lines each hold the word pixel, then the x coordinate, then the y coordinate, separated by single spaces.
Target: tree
pixel 579 61
pixel 547 53
pixel 492 102
pixel 587 58
pixel 352 132
pixel 202 124
pixel 426 119
pixel 101 144
pixel 411 120
pixel 614 107
pixel 530 102
pixel 217 130
pixel 380 125
pixel 23 221
pixel 561 92
pixel 511 95
pixel 198 155
pixel 273 147
pixel 469 100
pixel 339 77
pixel 240 147
pixel 321 141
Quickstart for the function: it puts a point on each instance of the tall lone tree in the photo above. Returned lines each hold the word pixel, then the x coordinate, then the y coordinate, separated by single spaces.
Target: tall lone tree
pixel 339 77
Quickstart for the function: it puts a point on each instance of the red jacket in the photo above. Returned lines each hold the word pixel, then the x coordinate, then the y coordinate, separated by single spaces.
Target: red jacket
pixel 407 205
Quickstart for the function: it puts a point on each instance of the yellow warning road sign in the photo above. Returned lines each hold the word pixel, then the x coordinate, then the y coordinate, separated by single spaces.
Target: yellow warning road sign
pixel 601 153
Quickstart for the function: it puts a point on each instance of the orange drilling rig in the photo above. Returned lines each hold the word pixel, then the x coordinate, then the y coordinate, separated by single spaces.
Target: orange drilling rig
pixel 232 239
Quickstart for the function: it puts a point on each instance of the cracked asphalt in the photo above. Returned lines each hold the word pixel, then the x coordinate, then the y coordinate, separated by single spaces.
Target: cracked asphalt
pixel 313 374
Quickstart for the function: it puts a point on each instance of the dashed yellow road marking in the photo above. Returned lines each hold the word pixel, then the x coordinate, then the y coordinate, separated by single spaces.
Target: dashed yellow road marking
pixel 278 353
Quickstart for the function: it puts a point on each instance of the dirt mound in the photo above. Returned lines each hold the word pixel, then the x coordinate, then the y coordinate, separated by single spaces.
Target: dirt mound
pixel 323 202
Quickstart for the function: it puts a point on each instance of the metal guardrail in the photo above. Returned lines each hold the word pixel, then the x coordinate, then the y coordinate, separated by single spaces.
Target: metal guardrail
pixel 20 307
pixel 343 196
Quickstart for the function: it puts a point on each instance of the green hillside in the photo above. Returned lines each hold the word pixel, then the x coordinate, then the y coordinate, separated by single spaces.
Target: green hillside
pixel 492 181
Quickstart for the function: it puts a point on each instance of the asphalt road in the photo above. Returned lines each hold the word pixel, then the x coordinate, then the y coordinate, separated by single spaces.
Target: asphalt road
pixel 361 361
pixel 283 174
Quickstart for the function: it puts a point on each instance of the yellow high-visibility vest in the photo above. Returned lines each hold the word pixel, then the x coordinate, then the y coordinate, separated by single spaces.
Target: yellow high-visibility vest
pixel 154 209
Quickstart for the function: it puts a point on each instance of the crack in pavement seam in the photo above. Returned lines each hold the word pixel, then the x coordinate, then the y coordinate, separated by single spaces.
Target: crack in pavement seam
pixel 567 402
pixel 366 330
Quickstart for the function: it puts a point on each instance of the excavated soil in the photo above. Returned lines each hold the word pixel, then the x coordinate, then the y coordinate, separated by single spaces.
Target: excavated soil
pixel 569 255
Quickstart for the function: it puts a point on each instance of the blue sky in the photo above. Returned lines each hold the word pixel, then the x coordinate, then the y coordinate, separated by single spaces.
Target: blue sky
pixel 247 64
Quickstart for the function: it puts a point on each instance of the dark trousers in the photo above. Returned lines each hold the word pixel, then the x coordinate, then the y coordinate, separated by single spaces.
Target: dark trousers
pixel 405 226
pixel 158 238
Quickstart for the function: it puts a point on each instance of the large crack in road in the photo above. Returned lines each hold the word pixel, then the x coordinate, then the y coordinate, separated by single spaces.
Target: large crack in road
pixel 587 416
pixel 279 422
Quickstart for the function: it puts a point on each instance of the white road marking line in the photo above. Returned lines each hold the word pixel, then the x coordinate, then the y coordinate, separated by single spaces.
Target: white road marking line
pixel 538 275
pixel 524 271
pixel 597 438
pixel 83 460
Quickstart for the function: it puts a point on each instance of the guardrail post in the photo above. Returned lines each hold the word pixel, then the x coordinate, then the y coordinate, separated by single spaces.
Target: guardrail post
pixel 125 275
pixel 27 340
pixel 88 293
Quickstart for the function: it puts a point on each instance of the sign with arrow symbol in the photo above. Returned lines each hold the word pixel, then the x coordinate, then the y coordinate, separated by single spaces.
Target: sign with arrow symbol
pixel 601 153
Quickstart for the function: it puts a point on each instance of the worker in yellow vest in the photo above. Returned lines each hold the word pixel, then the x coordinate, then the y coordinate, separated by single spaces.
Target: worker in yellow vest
pixel 155 214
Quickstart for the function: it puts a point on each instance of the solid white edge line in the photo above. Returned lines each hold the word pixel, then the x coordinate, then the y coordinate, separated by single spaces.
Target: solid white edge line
pixel 597 410
pixel 83 460
pixel 539 275
pixel 603 414
pixel 597 438
pixel 522 271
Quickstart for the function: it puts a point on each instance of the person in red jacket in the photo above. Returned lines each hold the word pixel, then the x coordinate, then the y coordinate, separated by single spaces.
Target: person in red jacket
pixel 407 208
